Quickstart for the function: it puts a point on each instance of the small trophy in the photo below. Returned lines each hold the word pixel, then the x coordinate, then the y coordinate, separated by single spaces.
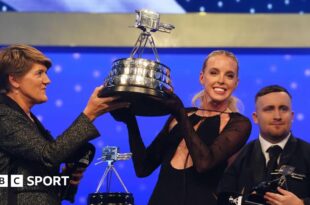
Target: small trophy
pixel 142 82
pixel 256 195
pixel 110 154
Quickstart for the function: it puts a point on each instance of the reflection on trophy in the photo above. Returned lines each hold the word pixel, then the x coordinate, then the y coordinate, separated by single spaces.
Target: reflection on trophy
pixel 110 154
pixel 142 82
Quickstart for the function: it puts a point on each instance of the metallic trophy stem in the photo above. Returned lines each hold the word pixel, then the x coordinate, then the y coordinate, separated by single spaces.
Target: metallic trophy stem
pixel 143 39
pixel 110 168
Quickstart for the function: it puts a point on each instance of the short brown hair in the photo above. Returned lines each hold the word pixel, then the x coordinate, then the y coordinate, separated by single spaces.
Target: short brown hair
pixel 271 89
pixel 17 60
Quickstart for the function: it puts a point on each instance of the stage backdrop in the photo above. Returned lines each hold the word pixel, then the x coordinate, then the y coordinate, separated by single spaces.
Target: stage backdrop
pixel 76 72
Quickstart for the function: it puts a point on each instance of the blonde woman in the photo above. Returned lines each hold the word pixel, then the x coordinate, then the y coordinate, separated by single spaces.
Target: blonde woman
pixel 195 144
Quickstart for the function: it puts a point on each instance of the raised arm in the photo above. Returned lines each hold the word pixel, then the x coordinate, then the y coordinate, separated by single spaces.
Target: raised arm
pixel 145 160
pixel 21 138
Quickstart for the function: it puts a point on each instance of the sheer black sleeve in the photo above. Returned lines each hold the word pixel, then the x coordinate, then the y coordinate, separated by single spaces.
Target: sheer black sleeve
pixel 230 140
pixel 146 160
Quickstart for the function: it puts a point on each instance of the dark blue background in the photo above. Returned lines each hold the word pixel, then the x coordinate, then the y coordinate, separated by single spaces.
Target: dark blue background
pixel 161 6
pixel 77 71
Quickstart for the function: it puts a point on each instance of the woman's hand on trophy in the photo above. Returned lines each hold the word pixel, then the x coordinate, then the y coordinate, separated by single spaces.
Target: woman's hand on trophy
pixel 174 104
pixel 97 106
pixel 123 115
pixel 171 102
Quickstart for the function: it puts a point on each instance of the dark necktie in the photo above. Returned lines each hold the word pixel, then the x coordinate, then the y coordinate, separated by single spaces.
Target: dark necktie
pixel 274 152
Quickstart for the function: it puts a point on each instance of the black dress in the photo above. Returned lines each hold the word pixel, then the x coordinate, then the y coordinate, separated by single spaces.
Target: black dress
pixel 190 186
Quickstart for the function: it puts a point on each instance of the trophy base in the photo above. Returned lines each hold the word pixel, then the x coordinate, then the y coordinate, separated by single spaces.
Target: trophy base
pixel 144 101
pixel 110 199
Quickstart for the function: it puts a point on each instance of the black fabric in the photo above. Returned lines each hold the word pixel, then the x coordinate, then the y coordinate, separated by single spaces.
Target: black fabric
pixel 249 167
pixel 274 152
pixel 191 185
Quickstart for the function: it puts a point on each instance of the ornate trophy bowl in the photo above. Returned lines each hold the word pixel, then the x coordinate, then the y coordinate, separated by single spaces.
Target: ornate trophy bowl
pixel 142 82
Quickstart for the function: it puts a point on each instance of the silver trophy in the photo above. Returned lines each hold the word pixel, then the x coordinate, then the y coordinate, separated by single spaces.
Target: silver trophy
pixel 110 154
pixel 142 82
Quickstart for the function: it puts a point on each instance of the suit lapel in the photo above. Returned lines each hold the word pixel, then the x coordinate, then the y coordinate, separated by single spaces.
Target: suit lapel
pixel 288 150
pixel 259 165
pixel 45 133
pixel 36 124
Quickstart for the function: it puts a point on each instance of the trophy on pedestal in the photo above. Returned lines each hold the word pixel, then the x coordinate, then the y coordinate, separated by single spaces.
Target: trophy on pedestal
pixel 110 154
pixel 142 82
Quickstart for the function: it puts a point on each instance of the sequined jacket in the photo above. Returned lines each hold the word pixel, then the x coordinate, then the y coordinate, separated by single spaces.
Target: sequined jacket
pixel 28 149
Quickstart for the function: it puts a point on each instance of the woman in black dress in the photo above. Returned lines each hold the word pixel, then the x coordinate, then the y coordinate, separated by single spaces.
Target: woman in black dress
pixel 195 144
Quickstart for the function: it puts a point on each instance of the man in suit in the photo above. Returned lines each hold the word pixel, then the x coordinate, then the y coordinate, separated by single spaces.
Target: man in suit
pixel 258 160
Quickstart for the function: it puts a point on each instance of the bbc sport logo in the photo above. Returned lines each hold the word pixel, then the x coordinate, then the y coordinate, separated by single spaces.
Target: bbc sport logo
pixel 18 180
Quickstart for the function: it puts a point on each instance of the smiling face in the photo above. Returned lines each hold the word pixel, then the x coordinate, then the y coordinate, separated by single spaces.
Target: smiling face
pixel 31 87
pixel 274 116
pixel 219 78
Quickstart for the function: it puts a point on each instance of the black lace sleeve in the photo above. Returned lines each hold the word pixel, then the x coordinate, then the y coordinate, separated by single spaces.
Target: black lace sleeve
pixel 146 160
pixel 230 140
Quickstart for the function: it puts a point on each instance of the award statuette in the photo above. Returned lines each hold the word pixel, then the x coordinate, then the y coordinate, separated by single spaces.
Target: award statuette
pixel 110 154
pixel 142 82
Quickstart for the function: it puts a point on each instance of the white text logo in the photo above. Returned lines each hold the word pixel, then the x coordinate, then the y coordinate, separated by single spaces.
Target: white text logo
pixel 18 180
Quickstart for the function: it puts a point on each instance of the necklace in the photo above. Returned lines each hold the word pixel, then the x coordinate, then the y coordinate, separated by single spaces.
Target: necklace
pixel 210 110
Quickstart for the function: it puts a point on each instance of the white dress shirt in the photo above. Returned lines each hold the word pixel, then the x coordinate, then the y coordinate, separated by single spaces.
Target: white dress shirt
pixel 265 145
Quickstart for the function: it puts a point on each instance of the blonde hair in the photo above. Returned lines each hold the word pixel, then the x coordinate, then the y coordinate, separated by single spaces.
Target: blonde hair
pixel 234 104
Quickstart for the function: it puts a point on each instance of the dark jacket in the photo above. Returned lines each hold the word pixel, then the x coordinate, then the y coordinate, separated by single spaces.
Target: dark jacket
pixel 27 148
pixel 248 170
